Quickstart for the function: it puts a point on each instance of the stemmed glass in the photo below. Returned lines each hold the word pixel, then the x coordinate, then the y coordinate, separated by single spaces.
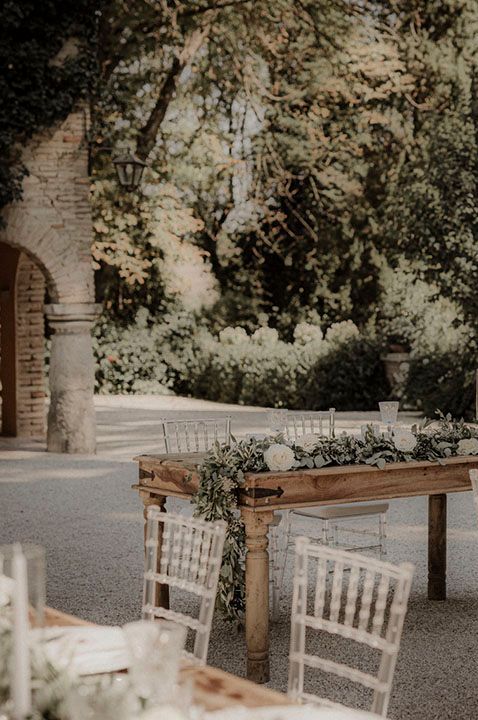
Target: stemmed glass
pixel 277 421
pixel 155 649
pixel 389 413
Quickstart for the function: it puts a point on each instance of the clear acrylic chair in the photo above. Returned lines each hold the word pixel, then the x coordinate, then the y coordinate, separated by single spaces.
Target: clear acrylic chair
pixel 320 422
pixel 366 605
pixel 199 435
pixel 185 553
pixel 331 518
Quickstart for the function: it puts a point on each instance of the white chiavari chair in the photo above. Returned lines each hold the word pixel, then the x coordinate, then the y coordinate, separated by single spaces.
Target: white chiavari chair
pixel 331 518
pixel 185 553
pixel 199 435
pixel 366 605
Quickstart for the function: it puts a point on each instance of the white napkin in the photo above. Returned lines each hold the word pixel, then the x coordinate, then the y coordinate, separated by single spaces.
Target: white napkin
pixel 86 650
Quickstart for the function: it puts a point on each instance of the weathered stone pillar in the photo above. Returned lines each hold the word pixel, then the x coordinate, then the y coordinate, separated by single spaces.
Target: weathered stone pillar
pixel 71 417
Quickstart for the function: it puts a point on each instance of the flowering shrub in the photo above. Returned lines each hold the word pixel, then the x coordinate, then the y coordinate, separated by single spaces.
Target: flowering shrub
pixel 146 356
pixel 340 370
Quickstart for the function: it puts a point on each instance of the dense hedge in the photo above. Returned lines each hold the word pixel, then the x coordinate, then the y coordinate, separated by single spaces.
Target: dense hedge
pixel 350 378
pixel 342 369
pixel 443 381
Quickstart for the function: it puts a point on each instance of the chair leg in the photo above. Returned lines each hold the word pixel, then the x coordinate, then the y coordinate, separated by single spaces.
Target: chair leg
pixel 382 533
pixel 273 569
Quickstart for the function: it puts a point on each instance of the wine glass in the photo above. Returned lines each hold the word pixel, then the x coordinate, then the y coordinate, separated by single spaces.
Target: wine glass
pixel 389 413
pixel 277 421
pixel 155 649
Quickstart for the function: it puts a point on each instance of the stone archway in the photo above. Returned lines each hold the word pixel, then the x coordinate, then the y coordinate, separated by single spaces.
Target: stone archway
pixel 51 229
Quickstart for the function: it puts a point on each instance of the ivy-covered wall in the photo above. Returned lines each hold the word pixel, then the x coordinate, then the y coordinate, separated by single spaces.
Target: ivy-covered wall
pixel 47 64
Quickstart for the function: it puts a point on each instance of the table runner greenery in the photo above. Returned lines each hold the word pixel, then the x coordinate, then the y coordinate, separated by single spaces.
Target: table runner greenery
pixel 221 476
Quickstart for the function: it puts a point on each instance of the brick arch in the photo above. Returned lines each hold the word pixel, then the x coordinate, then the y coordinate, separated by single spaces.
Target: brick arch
pixel 68 272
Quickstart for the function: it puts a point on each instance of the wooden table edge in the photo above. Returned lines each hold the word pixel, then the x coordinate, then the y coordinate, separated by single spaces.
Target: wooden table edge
pixel 241 692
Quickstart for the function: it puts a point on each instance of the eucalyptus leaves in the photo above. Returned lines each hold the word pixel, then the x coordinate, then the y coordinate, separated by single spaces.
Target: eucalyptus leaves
pixel 222 475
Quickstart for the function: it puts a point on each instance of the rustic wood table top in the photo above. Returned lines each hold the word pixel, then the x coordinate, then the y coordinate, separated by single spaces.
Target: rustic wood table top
pixel 213 688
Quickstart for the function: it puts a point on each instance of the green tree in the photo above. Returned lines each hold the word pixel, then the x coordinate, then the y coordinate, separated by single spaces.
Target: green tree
pixel 431 212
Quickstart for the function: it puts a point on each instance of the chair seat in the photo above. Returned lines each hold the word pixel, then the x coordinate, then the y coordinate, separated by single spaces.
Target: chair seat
pixel 342 511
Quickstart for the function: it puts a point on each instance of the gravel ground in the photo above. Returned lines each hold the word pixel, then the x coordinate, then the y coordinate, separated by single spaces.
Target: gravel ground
pixel 82 509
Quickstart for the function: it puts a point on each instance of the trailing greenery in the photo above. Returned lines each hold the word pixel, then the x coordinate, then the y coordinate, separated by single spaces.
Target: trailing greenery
pixel 47 63
pixel 221 476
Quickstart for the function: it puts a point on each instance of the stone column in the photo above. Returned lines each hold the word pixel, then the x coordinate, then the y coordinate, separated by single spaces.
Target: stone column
pixel 71 417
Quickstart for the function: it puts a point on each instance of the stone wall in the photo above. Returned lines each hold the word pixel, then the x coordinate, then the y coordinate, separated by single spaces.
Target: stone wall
pixel 52 226
pixel 52 223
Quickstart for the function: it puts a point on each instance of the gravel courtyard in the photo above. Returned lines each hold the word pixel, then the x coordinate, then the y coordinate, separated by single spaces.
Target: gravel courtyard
pixel 82 509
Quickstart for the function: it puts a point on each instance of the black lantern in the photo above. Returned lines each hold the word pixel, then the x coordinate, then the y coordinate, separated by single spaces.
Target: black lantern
pixel 129 169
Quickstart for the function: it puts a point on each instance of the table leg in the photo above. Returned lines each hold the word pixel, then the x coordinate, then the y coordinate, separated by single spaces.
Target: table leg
pixel 162 591
pixel 437 547
pixel 257 593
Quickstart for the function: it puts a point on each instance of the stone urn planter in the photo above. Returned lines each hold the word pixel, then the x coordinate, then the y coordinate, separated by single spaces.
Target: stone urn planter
pixel 397 364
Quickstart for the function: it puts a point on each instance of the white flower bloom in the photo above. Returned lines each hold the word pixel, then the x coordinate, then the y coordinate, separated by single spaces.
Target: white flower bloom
pixel 308 441
pixel 227 484
pixel 468 446
pixel 404 440
pixel 279 457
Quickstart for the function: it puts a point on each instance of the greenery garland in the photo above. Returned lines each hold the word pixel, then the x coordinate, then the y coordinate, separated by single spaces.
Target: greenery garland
pixel 221 476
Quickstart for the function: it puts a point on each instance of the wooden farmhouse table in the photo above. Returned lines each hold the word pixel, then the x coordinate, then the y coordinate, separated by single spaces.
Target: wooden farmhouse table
pixel 162 476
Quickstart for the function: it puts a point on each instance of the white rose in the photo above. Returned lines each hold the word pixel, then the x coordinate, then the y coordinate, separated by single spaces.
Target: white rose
pixel 308 442
pixel 279 458
pixel 404 440
pixel 468 446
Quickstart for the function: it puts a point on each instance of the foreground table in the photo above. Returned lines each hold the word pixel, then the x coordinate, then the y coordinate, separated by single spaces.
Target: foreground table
pixel 161 476
pixel 213 688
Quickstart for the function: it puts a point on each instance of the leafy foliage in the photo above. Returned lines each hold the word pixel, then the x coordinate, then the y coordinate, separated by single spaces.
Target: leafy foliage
pixel 47 63
pixel 351 376
pixel 431 210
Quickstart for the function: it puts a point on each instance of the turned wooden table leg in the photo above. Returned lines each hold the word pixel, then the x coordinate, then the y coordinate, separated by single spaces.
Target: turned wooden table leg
pixel 437 547
pixel 257 594
pixel 162 591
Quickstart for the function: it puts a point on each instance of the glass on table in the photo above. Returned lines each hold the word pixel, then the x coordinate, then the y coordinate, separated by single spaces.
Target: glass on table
pixel 388 412
pixel 108 697
pixel 35 563
pixel 155 648
pixel 277 421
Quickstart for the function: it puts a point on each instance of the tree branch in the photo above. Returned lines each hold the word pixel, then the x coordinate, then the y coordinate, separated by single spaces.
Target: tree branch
pixel 147 134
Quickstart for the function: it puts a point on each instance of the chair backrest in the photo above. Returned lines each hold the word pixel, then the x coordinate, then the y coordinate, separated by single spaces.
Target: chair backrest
pixel 186 553
pixel 180 436
pixel 321 422
pixel 351 606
